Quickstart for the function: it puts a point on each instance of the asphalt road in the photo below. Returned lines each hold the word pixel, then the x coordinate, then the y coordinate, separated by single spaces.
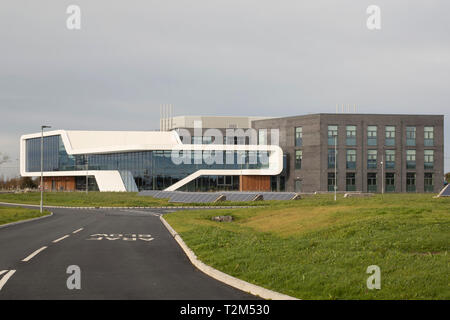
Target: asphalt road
pixel 122 254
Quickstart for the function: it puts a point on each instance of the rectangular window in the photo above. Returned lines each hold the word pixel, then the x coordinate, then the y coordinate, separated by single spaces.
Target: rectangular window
pixel 332 135
pixel 350 184
pixel 390 182
pixel 410 159
pixel 410 136
pixel 351 136
pixel 331 159
pixel 196 140
pixel 372 135
pixel 428 136
pixel 429 159
pixel 298 136
pixel 390 159
pixel 298 159
pixel 282 183
pixel 371 182
pixel 331 181
pixel 390 136
pixel 371 159
pixel 262 136
pixel 411 182
pixel 207 139
pixel 351 159
pixel 428 182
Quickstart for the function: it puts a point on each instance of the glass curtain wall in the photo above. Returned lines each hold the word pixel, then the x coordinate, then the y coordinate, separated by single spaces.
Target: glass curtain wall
pixel 151 170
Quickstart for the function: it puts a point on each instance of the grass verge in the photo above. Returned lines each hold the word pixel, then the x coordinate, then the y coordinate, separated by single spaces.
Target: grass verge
pixel 316 248
pixel 9 214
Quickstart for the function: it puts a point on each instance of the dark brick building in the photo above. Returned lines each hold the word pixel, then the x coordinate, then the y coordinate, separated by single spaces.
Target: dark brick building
pixel 402 153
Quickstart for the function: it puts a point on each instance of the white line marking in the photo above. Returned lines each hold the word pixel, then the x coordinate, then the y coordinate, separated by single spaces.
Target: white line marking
pixel 2 272
pixel 62 238
pixel 33 254
pixel 6 278
pixel 77 230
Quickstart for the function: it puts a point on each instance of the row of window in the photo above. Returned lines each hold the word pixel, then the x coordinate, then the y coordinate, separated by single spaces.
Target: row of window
pixel 372 161
pixel 389 184
pixel 372 135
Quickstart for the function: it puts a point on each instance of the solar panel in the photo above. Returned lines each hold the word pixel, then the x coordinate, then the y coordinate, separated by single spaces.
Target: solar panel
pixel 163 194
pixel 208 197
pixel 278 195
pixel 240 196
pixel 177 197
pixel 194 197
pixel 148 193
pixel 445 192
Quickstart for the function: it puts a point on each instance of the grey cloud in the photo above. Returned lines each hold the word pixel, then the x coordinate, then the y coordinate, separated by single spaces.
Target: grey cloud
pixel 269 58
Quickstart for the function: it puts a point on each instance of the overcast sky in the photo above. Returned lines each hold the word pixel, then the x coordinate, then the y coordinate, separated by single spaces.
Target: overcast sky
pixel 227 57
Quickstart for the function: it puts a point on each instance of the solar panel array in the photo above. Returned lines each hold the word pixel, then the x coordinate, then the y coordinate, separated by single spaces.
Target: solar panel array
pixel 148 193
pixel 445 192
pixel 209 197
pixel 278 195
pixel 195 197
pixel 240 196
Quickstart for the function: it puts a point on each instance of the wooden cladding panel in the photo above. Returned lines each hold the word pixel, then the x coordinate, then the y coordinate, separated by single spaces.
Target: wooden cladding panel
pixel 59 183
pixel 254 183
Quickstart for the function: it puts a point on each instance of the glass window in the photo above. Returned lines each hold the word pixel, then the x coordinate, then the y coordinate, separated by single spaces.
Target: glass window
pixel 410 159
pixel 350 184
pixel 410 136
pixel 149 169
pixel 196 140
pixel 390 136
pixel 411 182
pixel 332 135
pixel 372 135
pixel 428 136
pixel 428 182
pixel 351 136
pixel 331 158
pixel 390 182
pixel 390 159
pixel 371 182
pixel 298 159
pixel 298 136
pixel 331 181
pixel 262 136
pixel 429 159
pixel 351 159
pixel 371 159
pixel 282 183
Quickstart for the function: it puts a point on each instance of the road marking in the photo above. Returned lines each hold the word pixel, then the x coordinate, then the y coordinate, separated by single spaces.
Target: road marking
pixel 2 272
pixel 77 230
pixel 33 254
pixel 121 236
pixel 62 238
pixel 6 277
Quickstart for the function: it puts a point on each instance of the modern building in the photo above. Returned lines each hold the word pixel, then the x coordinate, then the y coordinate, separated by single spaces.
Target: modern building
pixel 369 152
pixel 364 152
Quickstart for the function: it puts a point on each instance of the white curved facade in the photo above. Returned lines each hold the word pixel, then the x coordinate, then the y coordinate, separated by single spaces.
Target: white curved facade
pixel 111 142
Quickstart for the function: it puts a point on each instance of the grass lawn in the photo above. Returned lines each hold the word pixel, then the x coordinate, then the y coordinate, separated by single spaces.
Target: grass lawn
pixel 316 248
pixel 102 199
pixel 8 214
